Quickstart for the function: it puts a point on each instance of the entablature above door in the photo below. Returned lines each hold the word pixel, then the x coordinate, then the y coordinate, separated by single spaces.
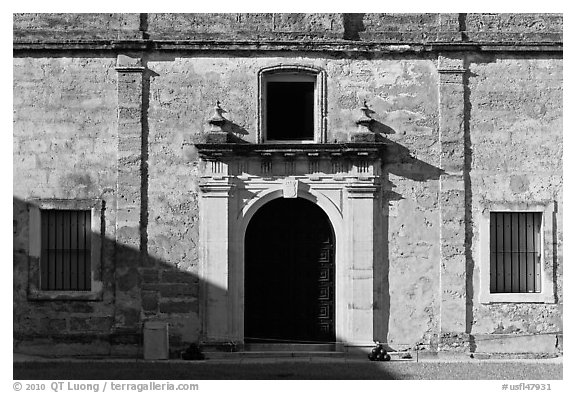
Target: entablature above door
pixel 359 159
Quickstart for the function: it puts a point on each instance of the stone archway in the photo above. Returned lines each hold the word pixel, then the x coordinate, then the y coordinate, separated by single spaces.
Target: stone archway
pixel 289 291
pixel 341 181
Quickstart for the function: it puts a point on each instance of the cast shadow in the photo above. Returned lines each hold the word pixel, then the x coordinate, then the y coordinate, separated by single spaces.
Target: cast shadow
pixel 400 162
pixel 353 25
pixel 236 133
pixel 137 288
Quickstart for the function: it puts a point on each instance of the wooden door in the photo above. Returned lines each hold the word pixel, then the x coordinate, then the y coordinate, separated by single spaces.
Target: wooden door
pixel 289 274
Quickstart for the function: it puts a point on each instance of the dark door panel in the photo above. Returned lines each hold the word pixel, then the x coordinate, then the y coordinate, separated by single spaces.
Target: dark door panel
pixel 289 273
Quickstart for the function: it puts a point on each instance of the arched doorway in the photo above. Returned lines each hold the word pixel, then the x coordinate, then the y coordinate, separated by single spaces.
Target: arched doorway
pixel 289 274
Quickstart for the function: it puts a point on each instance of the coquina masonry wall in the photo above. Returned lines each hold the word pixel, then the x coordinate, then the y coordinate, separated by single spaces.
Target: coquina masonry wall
pixel 102 109
pixel 65 147
pixel 516 138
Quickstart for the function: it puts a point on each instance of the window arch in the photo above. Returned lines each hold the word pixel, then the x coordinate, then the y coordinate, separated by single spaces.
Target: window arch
pixel 292 104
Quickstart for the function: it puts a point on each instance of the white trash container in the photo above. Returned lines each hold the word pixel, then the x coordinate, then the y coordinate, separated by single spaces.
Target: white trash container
pixel 156 340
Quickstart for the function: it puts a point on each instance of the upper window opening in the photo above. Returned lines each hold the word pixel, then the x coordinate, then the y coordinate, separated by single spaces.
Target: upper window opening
pixel 292 104
pixel 290 111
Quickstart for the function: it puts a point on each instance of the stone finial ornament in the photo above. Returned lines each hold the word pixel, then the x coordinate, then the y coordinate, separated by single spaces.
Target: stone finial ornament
pixel 217 120
pixel 365 119
pixel 364 132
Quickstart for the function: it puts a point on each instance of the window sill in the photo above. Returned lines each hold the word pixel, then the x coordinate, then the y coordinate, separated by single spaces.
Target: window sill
pixel 517 298
pixel 65 295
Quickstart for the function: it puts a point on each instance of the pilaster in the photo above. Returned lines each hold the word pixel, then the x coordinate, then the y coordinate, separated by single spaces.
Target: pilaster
pixel 129 194
pixel 359 216
pixel 215 242
pixel 451 68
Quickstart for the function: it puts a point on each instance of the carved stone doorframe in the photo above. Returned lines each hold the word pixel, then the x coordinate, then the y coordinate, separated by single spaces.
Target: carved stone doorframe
pixel 343 180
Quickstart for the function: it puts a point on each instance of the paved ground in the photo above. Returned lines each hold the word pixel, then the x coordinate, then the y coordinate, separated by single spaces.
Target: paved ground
pixel 296 368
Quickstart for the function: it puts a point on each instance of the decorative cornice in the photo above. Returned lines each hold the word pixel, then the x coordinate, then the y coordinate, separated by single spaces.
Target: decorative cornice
pixel 273 45
pixel 231 150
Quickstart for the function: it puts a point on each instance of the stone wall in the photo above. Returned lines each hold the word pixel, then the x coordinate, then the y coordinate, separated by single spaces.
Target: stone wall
pixel 64 144
pixel 513 27
pixel 403 94
pixel 297 27
pixel 516 157
pixel 68 102
pixel 71 27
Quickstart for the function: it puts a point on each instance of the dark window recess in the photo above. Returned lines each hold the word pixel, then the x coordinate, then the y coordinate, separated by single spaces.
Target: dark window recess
pixel 290 111
pixel 515 252
pixel 65 263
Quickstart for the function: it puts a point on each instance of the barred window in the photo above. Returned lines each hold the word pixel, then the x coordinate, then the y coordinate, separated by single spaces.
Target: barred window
pixel 65 260
pixel 515 252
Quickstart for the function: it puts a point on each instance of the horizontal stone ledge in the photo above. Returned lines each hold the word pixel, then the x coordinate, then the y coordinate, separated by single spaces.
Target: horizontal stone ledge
pixel 309 45
pixel 311 151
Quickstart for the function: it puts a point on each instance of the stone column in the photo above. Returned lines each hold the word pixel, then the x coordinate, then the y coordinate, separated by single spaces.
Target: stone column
pixel 129 195
pixel 451 68
pixel 359 216
pixel 214 253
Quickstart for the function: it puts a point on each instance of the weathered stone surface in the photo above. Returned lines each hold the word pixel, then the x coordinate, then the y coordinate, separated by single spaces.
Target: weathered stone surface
pixel 510 343
pixel 178 307
pixel 177 276
pixel 174 290
pixel 150 276
pixel 336 30
pixel 64 108
pixel 91 324
pixel 129 226
pixel 149 301
pixel 78 26
pixel 514 27
pixel 516 158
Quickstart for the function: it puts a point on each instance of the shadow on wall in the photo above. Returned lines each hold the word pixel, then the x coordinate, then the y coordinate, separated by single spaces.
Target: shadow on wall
pixel 139 288
pixel 136 288
pixel 353 25
pixel 112 326
pixel 400 162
